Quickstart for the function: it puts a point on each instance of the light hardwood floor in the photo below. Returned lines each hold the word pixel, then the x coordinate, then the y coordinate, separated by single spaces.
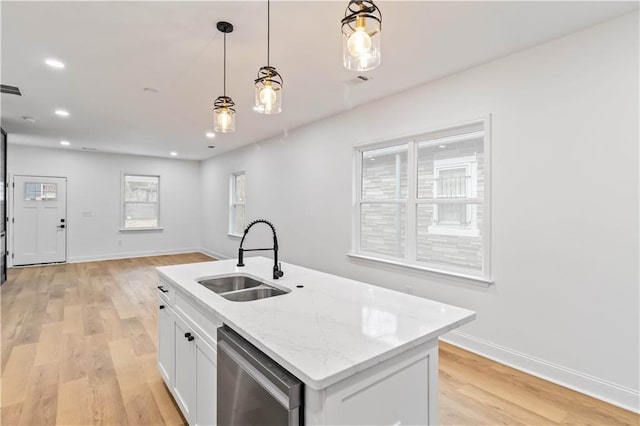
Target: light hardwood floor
pixel 79 348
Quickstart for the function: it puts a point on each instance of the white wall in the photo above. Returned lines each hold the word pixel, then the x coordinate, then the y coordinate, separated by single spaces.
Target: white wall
pixel 565 303
pixel 94 187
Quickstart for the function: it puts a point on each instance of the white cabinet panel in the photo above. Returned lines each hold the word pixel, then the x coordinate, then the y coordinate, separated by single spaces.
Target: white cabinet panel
pixel 206 375
pixel 165 341
pixel 184 371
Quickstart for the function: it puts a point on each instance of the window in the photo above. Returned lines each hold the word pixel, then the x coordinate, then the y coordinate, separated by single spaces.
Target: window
pixel 40 191
pixel 141 201
pixel 236 203
pixel 455 180
pixel 423 201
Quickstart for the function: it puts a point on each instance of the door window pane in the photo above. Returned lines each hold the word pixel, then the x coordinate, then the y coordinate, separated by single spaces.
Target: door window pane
pixel 40 191
pixel 384 173
pixel 383 229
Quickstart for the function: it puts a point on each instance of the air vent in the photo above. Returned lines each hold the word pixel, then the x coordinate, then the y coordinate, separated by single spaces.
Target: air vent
pixel 11 90
pixel 358 80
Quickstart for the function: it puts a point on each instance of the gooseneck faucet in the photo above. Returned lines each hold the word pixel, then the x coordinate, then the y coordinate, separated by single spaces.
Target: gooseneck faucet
pixel 277 270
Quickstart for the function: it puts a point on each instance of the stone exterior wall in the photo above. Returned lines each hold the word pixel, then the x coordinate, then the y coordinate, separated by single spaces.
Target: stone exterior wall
pixel 382 226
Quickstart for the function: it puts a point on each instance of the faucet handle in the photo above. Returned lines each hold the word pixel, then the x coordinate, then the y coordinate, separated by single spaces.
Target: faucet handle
pixel 277 271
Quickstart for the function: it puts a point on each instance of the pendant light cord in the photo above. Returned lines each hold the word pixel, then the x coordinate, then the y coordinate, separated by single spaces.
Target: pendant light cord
pixel 224 67
pixel 268 30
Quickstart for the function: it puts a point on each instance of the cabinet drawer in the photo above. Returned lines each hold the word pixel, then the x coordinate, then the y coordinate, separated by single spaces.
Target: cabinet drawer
pixel 166 291
pixel 207 323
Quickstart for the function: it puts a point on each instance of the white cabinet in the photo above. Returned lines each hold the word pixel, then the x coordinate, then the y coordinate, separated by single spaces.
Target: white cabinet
pixel 187 363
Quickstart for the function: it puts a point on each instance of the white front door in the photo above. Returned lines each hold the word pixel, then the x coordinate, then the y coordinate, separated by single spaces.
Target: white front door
pixel 39 220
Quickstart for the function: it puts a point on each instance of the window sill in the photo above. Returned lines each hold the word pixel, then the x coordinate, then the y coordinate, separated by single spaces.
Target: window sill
pixel 484 282
pixel 234 235
pixel 141 229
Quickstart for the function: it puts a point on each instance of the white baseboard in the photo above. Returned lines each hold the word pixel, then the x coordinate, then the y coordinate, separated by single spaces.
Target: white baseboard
pixel 213 254
pixel 114 256
pixel 620 396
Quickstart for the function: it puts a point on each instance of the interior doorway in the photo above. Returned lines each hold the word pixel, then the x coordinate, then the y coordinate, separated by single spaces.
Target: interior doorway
pixel 39 220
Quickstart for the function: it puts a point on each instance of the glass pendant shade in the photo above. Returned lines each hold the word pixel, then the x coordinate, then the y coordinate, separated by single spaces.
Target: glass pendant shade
pixel 268 85
pixel 268 91
pixel 224 109
pixel 361 27
pixel 224 115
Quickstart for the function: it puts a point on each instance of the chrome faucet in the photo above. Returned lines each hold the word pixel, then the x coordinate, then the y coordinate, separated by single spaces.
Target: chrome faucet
pixel 277 270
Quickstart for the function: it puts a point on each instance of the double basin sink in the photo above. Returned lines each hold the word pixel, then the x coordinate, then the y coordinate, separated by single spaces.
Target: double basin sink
pixel 239 288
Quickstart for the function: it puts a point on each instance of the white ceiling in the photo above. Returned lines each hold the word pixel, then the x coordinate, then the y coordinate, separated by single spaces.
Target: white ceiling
pixel 112 50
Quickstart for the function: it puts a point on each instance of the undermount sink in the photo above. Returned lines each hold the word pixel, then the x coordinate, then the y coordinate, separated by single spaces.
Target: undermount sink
pixel 253 294
pixel 239 288
pixel 227 284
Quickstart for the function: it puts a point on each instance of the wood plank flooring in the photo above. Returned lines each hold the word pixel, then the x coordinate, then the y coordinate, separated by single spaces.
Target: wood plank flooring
pixel 79 348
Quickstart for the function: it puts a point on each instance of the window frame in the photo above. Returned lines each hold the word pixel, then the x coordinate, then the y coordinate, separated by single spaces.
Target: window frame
pixel 123 202
pixel 414 140
pixel 233 203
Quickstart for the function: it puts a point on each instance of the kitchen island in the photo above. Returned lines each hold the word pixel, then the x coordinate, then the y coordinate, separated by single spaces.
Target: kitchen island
pixel 366 354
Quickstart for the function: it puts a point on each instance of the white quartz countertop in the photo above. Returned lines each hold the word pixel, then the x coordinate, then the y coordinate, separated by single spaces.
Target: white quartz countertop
pixel 331 329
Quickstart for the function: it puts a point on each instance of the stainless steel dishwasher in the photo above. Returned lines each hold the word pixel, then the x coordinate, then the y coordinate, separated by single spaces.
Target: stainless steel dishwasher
pixel 253 390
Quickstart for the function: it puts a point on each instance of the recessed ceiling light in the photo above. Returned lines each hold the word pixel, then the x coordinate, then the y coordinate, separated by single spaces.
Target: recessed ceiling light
pixel 150 90
pixel 29 119
pixel 62 113
pixel 65 143
pixel 54 63
pixel 211 135
pixel 442 146
pixel 173 154
pixel 211 146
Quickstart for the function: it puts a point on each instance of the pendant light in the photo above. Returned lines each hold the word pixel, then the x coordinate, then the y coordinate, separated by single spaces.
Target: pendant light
pixel 268 85
pixel 224 112
pixel 361 28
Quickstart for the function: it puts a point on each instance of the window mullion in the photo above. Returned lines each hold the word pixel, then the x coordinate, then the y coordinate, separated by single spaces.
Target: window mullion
pixel 412 193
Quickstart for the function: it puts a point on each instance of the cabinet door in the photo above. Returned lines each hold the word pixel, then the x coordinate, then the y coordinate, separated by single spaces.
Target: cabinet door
pixel 165 342
pixel 206 365
pixel 184 369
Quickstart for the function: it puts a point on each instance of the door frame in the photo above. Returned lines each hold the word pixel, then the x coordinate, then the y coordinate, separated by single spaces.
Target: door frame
pixel 10 208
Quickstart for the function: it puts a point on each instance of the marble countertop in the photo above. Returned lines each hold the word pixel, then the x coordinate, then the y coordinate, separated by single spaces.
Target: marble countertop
pixel 331 329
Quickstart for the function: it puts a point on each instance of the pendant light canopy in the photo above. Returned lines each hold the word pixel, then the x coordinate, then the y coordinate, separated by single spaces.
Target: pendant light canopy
pixel 361 28
pixel 268 85
pixel 224 112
